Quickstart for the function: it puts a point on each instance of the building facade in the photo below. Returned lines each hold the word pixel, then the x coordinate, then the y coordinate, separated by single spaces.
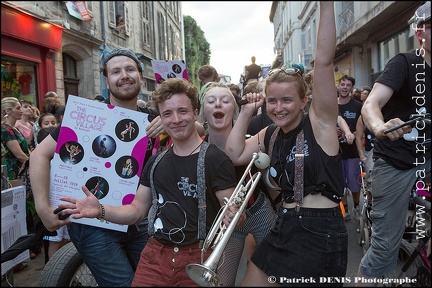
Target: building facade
pixel 58 45
pixel 368 33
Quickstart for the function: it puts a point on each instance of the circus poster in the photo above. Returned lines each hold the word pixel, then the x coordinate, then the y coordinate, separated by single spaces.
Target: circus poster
pixel 102 147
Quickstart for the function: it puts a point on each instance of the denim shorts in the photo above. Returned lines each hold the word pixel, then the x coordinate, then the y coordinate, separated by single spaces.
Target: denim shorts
pixel 309 243
pixel 112 256
pixel 351 170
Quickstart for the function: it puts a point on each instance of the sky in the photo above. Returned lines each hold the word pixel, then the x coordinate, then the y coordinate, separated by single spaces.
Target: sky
pixel 236 31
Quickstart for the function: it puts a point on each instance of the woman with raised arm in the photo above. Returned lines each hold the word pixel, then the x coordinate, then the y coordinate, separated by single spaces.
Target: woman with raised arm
pixel 309 239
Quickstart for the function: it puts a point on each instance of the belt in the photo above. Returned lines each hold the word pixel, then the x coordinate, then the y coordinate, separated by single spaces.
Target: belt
pixel 314 212
pixel 176 248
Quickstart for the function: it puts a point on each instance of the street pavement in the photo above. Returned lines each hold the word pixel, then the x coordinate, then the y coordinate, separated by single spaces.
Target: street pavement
pixel 29 277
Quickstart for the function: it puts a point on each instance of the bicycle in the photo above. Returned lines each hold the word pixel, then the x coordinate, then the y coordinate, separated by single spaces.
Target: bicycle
pixel 413 261
pixel 365 220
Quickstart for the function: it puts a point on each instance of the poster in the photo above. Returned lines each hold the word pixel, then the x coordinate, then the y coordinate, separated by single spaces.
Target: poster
pixel 164 69
pixel 102 147
pixel 13 223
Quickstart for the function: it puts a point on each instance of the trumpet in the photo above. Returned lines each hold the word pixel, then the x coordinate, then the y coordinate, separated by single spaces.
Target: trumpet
pixel 205 274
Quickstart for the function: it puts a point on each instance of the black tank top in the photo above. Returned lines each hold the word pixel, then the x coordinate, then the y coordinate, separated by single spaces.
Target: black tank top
pixel 322 173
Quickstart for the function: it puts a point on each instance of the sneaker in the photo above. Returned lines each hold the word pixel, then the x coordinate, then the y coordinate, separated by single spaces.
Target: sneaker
pixel 347 216
pixel 356 212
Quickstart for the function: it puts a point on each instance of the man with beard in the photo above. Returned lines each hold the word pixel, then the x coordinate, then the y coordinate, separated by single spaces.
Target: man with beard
pixel 101 249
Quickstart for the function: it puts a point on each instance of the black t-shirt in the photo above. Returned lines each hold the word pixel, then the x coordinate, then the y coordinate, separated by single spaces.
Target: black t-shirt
pixel 369 140
pixel 409 76
pixel 253 71
pixel 350 112
pixel 175 180
pixel 322 173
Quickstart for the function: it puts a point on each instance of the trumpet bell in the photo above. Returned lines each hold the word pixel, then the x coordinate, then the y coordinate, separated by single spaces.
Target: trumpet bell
pixel 203 276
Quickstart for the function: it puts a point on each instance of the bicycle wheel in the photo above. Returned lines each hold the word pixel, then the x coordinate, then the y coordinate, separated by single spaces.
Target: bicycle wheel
pixel 66 269
pixel 366 239
pixel 405 250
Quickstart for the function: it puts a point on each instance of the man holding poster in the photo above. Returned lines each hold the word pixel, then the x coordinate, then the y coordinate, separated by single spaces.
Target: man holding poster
pixel 101 249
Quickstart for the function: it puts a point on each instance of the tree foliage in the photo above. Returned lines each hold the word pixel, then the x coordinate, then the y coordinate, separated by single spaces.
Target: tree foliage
pixel 197 49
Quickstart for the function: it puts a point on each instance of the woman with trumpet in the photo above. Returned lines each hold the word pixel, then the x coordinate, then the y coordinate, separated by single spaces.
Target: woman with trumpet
pixel 219 109
pixel 309 238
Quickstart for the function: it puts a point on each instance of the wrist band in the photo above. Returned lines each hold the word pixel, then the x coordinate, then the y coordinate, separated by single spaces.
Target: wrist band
pixel 102 207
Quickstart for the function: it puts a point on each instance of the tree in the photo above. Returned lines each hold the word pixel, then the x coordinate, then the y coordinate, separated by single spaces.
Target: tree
pixel 197 49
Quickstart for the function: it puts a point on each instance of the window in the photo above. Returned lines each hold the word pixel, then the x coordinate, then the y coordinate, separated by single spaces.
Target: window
pixel 162 41
pixel 71 80
pixel 146 28
pixel 118 16
pixel 18 79
pixel 398 43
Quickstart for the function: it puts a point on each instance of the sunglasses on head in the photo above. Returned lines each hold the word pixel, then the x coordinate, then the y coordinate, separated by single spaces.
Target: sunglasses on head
pixel 288 71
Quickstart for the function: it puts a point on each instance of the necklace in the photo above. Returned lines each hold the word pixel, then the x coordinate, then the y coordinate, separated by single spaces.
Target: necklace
pixel 196 148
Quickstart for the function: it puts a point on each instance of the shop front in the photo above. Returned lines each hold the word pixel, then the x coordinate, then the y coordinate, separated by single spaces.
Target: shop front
pixel 28 44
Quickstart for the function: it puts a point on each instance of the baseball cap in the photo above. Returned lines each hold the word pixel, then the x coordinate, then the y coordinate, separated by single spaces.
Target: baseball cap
pixel 422 14
pixel 120 51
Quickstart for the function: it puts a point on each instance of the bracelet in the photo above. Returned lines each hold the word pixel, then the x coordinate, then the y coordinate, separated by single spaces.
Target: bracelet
pixel 102 207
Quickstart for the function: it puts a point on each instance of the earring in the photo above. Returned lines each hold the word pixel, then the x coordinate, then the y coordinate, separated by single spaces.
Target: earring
pixel 6 116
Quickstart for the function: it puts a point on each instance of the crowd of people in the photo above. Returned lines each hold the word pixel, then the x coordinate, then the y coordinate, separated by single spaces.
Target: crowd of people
pixel 316 135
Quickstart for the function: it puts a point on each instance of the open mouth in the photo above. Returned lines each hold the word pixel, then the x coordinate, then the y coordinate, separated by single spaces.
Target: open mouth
pixel 218 115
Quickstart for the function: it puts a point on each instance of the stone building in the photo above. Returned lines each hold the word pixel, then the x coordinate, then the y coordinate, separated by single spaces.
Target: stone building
pixel 58 45
pixel 368 34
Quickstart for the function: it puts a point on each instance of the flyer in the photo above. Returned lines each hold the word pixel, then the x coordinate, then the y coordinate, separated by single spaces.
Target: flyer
pixel 164 69
pixel 102 147
pixel 13 223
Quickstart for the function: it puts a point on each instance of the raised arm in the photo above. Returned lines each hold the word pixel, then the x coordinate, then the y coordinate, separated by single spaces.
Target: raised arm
pixel 324 107
pixel 237 147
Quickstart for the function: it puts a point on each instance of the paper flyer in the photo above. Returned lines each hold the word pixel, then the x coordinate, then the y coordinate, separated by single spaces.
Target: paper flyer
pixel 164 69
pixel 102 147
pixel 13 223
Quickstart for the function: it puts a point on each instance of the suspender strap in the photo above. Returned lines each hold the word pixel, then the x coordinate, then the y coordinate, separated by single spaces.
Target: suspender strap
pixel 201 188
pixel 299 170
pixel 272 141
pixel 154 207
pixel 278 198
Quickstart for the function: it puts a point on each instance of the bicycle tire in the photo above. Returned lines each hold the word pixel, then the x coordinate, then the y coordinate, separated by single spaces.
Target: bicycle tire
pixel 66 269
pixel 366 240
pixel 405 250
